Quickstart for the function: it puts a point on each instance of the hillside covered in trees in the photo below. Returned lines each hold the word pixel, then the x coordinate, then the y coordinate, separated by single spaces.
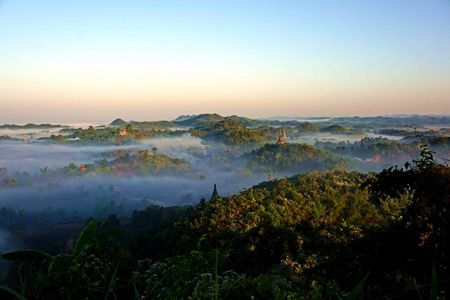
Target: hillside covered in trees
pixel 292 158
pixel 325 212
pixel 312 235
pixel 231 133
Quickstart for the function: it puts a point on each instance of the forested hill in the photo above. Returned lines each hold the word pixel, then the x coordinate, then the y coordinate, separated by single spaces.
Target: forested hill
pixel 408 120
pixel 156 125
pixel 309 236
pixel 307 128
pixel 199 120
pixel 31 126
pixel 118 123
pixel 231 132
pixel 142 163
pixel 294 158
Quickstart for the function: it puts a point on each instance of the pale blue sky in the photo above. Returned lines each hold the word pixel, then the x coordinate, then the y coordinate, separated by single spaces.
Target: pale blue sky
pixel 147 60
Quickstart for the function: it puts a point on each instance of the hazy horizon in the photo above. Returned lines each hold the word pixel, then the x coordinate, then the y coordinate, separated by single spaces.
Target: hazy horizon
pixel 143 60
pixel 84 124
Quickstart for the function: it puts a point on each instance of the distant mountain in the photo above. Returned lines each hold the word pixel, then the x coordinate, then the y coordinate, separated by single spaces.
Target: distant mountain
pixel 408 120
pixel 307 128
pixel 183 118
pixel 31 126
pixel 232 133
pixel 118 123
pixel 156 125
pixel 245 121
pixel 412 115
pixel 200 120
pixel 281 118
pixel 334 129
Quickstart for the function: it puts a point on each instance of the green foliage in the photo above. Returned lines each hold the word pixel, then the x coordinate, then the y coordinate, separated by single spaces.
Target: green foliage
pixel 58 138
pixel 155 217
pixel 293 158
pixel 128 163
pixel 309 236
pixel 200 120
pixel 434 285
pixel 357 290
pixel 85 237
pixel 245 121
pixel 31 256
pixel 60 274
pixel 336 129
pixel 101 136
pixel 426 217
pixel 12 292
pixel 307 128
pixel 157 125
pixel 231 132
pixel 31 126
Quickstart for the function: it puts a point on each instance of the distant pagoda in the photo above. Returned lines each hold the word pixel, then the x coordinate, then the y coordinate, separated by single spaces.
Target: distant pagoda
pixel 123 131
pixel 280 140
pixel 82 168
pixel 215 194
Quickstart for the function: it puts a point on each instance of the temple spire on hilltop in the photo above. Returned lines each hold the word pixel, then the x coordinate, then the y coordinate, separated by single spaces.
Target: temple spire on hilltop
pixel 82 168
pixel 123 131
pixel 215 194
pixel 280 140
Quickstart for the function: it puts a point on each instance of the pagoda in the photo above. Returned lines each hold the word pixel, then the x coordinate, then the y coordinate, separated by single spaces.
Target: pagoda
pixel 215 194
pixel 280 140
pixel 123 132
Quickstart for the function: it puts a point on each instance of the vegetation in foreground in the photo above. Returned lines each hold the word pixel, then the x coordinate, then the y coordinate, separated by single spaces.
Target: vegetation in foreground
pixel 336 234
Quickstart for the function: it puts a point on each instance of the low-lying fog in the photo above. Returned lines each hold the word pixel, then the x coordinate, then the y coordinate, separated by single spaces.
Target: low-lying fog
pixel 37 133
pixel 82 193
pixel 29 157
pixel 335 138
pixel 32 194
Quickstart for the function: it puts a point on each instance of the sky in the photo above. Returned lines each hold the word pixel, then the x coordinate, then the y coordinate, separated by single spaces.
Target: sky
pixel 81 61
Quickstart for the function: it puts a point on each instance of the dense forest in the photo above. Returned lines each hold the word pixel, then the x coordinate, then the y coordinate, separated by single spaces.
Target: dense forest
pixel 290 158
pixel 333 211
pixel 312 235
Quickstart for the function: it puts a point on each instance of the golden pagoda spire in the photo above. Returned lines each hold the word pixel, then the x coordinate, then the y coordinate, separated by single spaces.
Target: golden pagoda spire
pixel 280 139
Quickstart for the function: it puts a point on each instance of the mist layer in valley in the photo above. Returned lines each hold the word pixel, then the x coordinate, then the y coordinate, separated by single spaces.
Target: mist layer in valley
pixel 34 177
pixel 74 172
